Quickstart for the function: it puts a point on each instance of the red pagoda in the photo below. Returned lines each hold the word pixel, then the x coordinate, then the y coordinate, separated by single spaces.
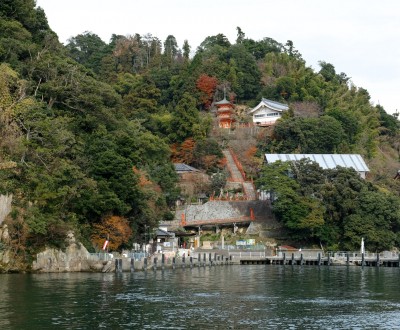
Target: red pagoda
pixel 225 113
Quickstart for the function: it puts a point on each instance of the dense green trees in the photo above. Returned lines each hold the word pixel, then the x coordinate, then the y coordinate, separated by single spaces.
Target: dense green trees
pixel 88 49
pixel 332 207
pixel 307 135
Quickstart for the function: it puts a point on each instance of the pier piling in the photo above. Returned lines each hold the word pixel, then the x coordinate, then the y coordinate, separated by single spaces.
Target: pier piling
pixel 132 265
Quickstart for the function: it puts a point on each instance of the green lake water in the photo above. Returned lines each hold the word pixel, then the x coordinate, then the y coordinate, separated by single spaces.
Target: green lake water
pixel 221 297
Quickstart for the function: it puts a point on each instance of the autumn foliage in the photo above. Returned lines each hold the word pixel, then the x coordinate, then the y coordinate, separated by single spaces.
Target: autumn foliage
pixel 184 152
pixel 206 85
pixel 116 228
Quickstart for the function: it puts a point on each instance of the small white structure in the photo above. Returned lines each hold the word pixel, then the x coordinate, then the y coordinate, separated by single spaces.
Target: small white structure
pixel 326 161
pixel 267 112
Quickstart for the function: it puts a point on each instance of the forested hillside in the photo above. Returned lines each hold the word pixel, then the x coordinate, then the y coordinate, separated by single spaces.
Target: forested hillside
pixel 91 129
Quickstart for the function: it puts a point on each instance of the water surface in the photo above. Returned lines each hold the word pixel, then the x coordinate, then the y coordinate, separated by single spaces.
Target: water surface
pixel 222 297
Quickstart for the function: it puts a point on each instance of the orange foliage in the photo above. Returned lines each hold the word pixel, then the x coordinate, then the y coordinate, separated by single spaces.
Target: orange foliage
pixel 209 161
pixel 207 85
pixel 222 162
pixel 143 180
pixel 116 228
pixel 183 153
pixel 251 151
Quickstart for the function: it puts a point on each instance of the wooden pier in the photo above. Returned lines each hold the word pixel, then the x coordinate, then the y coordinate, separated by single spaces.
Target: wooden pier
pixel 330 259
pixel 209 259
pixel 161 262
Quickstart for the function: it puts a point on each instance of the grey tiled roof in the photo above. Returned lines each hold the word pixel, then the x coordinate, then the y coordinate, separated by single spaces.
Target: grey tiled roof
pixel 161 232
pixel 273 105
pixel 326 161
pixel 276 105
pixel 180 167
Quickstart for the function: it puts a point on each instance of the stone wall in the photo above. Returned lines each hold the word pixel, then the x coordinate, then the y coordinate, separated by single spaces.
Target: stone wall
pixel 213 210
pixel 73 259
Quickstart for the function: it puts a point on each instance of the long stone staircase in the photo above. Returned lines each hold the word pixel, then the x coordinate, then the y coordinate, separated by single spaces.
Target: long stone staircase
pixel 238 176
pixel 235 174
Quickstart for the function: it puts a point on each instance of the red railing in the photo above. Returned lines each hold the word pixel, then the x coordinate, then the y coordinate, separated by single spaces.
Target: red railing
pixel 238 164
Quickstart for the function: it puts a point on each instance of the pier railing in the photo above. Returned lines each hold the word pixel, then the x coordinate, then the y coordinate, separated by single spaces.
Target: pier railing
pixel 247 254
pixel 100 256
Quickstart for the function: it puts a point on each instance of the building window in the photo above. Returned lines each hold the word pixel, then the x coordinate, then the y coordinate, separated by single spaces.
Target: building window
pixel 273 114
pixel 259 115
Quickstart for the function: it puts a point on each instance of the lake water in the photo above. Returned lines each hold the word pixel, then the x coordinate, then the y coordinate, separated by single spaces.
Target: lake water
pixel 222 297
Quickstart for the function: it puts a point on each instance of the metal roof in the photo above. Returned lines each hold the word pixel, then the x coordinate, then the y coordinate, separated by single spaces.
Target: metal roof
pixel 326 161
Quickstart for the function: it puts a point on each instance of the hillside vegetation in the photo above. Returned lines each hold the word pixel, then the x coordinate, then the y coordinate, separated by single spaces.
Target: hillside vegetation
pixel 94 128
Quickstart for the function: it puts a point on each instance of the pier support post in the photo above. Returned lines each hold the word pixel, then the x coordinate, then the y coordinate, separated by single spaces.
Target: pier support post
pixel 204 259
pixel 191 262
pixel 155 264
pixel 347 258
pixel 329 259
pixel 173 262
pixel 362 260
pixel 319 259
pixel 301 259
pixel 132 265
pixel 210 259
pixel 145 264
pixel 377 260
pixel 162 261
pixel 118 265
pixel 292 259
pixel 183 262
pixel 284 258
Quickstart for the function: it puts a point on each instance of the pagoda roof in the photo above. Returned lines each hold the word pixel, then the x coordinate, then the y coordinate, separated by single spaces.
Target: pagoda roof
pixel 222 102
